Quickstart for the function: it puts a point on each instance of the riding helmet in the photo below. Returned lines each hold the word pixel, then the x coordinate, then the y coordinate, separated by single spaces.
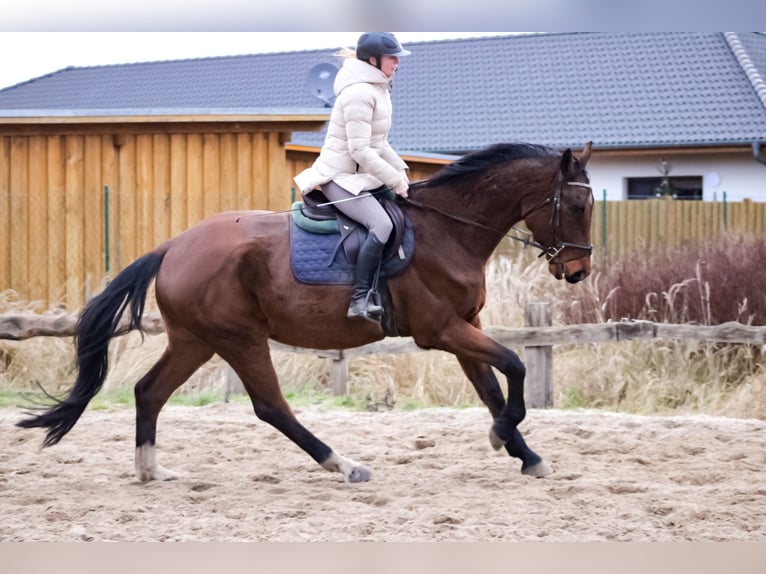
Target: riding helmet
pixel 377 44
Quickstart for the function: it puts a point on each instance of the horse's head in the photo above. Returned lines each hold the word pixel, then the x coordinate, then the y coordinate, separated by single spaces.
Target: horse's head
pixel 560 222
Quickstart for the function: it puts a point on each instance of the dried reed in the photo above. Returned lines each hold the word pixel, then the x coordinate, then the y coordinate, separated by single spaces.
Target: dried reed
pixel 707 285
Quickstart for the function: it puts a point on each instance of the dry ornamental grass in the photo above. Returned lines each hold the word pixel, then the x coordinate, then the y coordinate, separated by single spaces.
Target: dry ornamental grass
pixel 702 284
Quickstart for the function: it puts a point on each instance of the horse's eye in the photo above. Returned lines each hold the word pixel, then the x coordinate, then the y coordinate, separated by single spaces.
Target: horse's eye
pixel 577 209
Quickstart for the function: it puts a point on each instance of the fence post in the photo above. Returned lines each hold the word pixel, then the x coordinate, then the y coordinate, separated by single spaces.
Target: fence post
pixel 538 390
pixel 604 223
pixel 233 385
pixel 339 375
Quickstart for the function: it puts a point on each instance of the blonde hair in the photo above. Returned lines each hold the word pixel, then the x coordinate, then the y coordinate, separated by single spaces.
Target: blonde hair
pixel 346 53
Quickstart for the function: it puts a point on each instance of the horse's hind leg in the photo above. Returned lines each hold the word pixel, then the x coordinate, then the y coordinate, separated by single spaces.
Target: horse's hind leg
pixel 255 369
pixel 178 363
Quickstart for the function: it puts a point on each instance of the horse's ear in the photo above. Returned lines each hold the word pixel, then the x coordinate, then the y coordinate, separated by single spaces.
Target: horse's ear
pixel 585 155
pixel 566 162
pixel 571 165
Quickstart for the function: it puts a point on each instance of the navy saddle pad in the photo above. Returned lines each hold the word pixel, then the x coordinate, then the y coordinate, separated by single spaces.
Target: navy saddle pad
pixel 318 258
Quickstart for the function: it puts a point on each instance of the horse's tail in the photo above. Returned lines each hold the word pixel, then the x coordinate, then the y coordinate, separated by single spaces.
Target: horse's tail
pixel 97 324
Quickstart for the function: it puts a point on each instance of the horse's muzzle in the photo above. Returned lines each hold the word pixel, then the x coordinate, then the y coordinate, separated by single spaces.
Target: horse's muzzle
pixel 573 271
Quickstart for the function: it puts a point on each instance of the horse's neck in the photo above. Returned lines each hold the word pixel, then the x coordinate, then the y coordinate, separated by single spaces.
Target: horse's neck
pixel 475 220
pixel 447 229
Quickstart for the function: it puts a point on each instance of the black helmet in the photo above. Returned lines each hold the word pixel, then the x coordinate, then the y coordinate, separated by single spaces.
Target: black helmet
pixel 376 44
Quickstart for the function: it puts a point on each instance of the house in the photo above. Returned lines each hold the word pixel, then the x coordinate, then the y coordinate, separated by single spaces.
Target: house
pixel 688 108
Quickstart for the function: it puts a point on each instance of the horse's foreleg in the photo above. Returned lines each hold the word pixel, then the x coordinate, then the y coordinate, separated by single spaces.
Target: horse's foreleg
pixel 504 432
pixel 477 353
pixel 256 371
pixel 177 364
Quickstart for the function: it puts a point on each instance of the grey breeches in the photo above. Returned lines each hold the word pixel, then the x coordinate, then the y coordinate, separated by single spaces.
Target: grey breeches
pixel 365 209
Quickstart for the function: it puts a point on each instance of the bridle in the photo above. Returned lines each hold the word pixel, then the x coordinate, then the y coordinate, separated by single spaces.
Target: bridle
pixel 550 252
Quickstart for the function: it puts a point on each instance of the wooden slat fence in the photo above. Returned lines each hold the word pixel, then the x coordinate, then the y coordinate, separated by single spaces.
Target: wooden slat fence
pixel 55 190
pixel 54 239
pixel 622 227
pixel 54 225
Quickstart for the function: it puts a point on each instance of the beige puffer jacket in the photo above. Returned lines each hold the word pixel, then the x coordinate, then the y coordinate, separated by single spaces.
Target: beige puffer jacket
pixel 356 154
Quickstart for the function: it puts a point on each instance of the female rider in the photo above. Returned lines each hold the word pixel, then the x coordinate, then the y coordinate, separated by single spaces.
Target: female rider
pixel 357 158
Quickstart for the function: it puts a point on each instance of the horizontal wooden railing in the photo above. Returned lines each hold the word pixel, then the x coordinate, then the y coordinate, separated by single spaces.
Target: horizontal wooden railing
pixel 20 326
pixel 537 339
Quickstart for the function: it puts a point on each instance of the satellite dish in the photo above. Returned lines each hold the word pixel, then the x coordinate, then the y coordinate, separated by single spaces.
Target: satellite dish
pixel 319 82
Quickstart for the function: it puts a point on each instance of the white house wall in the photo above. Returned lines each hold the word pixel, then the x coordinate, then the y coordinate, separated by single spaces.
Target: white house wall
pixel 737 174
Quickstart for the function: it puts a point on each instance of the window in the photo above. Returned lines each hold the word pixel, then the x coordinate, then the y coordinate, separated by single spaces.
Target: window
pixel 683 187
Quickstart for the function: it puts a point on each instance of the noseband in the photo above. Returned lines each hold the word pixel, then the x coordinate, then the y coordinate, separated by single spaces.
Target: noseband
pixel 550 252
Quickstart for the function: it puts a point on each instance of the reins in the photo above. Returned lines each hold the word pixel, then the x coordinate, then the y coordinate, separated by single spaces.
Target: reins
pixel 550 251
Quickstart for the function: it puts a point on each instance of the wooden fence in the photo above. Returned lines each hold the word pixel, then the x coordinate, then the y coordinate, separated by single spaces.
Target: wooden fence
pixel 75 208
pixel 622 227
pixel 86 204
pixel 537 339
pixel 46 258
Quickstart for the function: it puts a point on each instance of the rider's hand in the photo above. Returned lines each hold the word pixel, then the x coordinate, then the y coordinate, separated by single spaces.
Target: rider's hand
pixel 401 188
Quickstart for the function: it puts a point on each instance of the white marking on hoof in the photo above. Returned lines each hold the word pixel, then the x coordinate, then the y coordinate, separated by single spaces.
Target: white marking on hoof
pixel 496 442
pixel 351 471
pixel 147 468
pixel 539 470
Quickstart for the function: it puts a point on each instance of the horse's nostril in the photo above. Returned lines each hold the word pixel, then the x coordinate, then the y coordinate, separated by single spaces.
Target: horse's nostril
pixel 576 277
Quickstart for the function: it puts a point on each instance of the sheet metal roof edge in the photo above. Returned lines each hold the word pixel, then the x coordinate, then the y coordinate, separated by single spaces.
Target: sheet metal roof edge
pixel 144 112
pixel 430 155
pixel 405 154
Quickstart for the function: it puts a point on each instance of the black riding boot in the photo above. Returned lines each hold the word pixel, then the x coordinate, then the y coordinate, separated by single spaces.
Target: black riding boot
pixel 364 273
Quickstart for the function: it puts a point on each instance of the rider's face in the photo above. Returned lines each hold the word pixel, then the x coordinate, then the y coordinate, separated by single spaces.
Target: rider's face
pixel 389 64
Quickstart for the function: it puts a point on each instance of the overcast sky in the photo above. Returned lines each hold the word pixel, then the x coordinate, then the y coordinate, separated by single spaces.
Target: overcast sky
pixel 39 53
pixel 39 37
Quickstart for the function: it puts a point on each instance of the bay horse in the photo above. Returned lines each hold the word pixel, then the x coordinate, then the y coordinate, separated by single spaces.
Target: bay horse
pixel 226 286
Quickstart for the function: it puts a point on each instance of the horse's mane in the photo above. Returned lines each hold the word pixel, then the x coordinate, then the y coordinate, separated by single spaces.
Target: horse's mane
pixel 479 161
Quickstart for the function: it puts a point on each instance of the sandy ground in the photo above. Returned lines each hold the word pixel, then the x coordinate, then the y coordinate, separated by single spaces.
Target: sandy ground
pixel 435 478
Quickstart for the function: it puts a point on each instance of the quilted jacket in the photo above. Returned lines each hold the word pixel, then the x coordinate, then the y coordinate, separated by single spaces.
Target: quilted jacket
pixel 356 154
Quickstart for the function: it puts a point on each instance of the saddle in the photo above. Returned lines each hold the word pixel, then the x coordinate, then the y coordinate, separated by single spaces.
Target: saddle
pixel 324 245
pixel 317 214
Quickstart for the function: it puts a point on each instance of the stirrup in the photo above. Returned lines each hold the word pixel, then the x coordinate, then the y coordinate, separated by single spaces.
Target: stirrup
pixel 366 316
pixel 363 308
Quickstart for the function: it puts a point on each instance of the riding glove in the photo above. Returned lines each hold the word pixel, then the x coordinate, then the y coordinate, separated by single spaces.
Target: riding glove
pixel 402 187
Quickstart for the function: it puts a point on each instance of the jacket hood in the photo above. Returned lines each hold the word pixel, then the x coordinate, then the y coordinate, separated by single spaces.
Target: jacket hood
pixel 355 71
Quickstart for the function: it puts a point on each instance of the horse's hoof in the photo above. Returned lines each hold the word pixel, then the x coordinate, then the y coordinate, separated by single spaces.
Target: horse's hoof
pixel 539 470
pixel 496 442
pixel 147 468
pixel 158 473
pixel 359 474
